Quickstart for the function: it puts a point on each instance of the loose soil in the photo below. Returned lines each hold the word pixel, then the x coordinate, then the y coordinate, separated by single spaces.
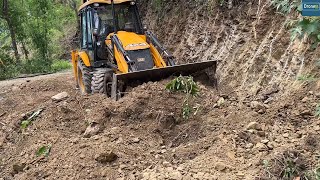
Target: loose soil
pixel 146 132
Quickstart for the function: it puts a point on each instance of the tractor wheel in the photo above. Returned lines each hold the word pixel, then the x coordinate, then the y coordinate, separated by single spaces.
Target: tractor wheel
pixel 84 78
pixel 101 81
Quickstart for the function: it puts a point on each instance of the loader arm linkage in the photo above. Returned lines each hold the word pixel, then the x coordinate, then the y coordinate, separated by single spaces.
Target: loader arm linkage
pixel 115 40
pixel 151 38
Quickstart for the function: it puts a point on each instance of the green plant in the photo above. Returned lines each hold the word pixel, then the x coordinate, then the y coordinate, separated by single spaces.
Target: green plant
pixel 29 118
pixel 188 86
pixel 59 65
pixel 44 150
pixel 307 77
pixel 184 84
pixel 286 6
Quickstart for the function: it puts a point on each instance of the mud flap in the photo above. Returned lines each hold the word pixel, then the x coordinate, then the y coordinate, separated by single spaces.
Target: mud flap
pixel 161 73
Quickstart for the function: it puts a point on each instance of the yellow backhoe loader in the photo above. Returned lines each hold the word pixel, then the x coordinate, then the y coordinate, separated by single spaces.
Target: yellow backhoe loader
pixel 116 50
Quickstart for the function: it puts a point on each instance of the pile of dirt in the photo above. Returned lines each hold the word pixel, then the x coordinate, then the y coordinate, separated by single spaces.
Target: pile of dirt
pixel 143 136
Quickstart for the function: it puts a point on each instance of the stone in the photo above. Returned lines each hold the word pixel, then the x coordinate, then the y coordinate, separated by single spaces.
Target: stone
pixel 166 164
pixel 92 129
pixel 249 145
pixel 220 166
pixel 59 97
pixel 270 145
pixel 306 112
pixel 220 102
pixel 135 140
pixel 316 128
pixel 260 147
pixel 305 99
pixel 252 125
pixel 265 141
pixel 285 135
pixel 106 157
pixel 257 105
pixel 16 168
pixel 82 156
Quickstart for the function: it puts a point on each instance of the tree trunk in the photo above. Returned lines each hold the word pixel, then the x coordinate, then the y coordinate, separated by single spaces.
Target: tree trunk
pixel 7 18
pixel 25 51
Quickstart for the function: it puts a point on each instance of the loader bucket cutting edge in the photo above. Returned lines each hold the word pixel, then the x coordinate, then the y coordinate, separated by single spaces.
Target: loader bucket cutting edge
pixel 160 73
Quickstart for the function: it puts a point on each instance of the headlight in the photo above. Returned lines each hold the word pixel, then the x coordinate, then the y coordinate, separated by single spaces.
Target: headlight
pixel 132 3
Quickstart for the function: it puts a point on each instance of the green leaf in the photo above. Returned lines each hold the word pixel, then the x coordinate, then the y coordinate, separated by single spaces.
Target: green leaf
pixel 44 150
pixel 25 124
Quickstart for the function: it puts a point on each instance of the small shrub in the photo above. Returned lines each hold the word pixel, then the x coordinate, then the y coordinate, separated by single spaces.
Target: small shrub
pixel 188 86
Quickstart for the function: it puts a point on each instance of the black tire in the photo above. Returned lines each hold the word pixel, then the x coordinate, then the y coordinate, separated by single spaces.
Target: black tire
pixel 101 79
pixel 84 78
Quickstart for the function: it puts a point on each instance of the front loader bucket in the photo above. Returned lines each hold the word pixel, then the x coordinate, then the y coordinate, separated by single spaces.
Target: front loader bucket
pixel 161 73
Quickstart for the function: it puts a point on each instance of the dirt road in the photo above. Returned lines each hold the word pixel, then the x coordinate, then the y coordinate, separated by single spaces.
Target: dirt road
pixel 229 137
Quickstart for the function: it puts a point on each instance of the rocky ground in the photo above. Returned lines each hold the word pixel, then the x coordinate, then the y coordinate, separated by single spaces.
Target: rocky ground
pixel 143 136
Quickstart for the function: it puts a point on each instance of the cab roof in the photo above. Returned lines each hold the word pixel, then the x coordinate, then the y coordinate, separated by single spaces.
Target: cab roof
pixel 89 2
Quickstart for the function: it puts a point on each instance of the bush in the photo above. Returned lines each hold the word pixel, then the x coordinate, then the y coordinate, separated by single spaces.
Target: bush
pixel 59 65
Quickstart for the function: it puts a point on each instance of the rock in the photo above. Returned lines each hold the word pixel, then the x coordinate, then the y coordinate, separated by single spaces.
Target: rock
pixel 317 95
pixel 306 112
pixel 317 128
pixel 249 146
pixel 220 166
pixel 135 140
pixel 106 157
pixel 59 97
pixel 305 99
pixel 92 129
pixel 257 106
pixel 16 168
pixel 252 125
pixel 270 145
pixel 265 141
pixel 82 156
pixel 166 164
pixel 285 135
pixel 220 102
pixel 260 147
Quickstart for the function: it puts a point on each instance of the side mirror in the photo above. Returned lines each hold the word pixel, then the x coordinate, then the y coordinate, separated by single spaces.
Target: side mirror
pixel 145 27
pixel 95 32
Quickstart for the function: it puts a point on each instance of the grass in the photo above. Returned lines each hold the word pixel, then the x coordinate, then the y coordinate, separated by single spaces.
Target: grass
pixel 33 67
pixel 60 65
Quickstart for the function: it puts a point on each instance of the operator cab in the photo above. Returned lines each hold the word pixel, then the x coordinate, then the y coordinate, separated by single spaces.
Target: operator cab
pixel 98 21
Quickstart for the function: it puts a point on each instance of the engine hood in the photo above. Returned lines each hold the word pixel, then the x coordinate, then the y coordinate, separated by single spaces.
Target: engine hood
pixel 130 41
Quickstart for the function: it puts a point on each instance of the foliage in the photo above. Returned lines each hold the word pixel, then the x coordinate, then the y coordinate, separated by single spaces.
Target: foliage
pixel 59 65
pixel 286 6
pixel 39 27
pixel 306 77
pixel 302 27
pixel 188 86
pixel 29 118
pixel 184 84
pixel 44 150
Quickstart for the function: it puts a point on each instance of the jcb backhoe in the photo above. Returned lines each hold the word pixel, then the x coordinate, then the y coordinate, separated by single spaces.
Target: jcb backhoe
pixel 116 50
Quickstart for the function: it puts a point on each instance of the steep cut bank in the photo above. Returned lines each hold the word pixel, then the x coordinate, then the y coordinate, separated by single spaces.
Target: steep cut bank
pixel 248 38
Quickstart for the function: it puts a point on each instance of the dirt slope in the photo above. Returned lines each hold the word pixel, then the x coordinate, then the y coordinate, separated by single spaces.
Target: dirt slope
pixel 146 132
